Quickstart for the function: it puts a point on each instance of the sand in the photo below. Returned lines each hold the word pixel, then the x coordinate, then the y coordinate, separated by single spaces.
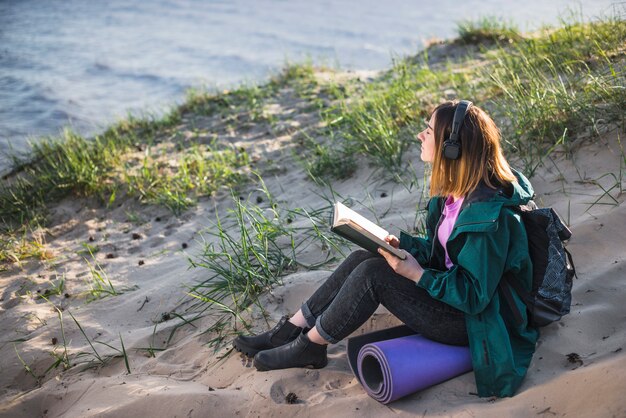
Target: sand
pixel 578 368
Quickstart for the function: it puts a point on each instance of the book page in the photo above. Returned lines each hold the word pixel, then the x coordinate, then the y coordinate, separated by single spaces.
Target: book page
pixel 349 225
pixel 344 214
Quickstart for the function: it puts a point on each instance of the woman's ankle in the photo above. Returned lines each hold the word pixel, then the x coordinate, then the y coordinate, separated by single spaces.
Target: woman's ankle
pixel 299 320
pixel 314 336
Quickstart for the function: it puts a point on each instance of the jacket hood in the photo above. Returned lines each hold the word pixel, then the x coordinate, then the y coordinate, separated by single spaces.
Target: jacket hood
pixel 521 192
pixel 518 193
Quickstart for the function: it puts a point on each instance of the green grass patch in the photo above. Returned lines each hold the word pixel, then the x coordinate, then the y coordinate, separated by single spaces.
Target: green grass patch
pixel 560 86
pixel 71 165
pixel 380 122
pixel 325 162
pixel 14 249
pixel 249 251
pixel 175 184
pixel 545 90
pixel 487 29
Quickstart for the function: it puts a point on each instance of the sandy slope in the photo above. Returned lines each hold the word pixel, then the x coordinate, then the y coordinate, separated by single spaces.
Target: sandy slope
pixel 190 379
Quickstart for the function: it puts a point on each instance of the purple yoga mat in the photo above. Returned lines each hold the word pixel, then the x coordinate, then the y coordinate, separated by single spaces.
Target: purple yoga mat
pixel 392 368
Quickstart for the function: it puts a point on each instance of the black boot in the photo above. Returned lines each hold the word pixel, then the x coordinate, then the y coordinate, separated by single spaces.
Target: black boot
pixel 281 334
pixel 301 352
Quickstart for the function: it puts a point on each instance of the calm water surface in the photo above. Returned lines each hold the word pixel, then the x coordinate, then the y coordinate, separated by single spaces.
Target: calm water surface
pixel 87 63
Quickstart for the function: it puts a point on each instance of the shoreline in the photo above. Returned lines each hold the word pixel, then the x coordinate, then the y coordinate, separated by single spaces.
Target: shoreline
pixel 81 92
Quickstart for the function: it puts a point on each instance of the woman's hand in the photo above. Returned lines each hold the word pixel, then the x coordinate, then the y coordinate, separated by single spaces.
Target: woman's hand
pixel 393 241
pixel 409 267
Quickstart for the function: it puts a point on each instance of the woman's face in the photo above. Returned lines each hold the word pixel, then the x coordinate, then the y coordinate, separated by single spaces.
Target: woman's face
pixel 427 137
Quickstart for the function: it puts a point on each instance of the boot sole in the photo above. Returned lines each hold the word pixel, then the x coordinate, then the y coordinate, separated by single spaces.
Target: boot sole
pixel 261 368
pixel 249 352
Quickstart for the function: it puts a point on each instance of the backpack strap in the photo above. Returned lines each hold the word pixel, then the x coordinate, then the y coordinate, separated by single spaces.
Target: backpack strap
pixel 571 262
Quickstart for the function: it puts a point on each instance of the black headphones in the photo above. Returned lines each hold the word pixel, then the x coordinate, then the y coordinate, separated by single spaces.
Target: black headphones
pixel 452 145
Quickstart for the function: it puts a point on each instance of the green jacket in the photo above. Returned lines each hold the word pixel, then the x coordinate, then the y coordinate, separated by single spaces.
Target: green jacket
pixel 488 240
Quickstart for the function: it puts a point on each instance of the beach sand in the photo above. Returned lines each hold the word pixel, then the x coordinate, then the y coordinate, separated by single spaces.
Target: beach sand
pixel 577 370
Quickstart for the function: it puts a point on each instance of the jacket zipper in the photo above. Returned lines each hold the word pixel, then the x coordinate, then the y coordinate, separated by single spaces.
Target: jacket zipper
pixel 485 349
pixel 486 352
pixel 432 248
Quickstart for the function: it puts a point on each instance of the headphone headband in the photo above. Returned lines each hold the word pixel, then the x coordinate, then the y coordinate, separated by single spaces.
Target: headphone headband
pixel 452 146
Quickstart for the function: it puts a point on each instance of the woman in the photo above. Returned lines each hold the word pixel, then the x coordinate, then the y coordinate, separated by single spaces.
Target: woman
pixel 447 289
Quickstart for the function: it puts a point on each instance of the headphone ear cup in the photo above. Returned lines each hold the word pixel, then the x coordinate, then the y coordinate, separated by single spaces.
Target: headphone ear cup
pixel 451 150
pixel 452 145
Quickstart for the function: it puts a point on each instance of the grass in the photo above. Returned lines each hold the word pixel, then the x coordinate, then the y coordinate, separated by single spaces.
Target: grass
pixel 380 121
pixel 103 167
pixel 553 88
pixel 94 358
pixel 69 165
pixel 251 249
pixel 487 29
pixel 56 288
pixel 246 103
pixel 16 248
pixel 545 90
pixel 63 357
pixel 200 171
pixel 612 188
pixel 152 349
pixel 26 367
pixel 324 163
pixel 99 286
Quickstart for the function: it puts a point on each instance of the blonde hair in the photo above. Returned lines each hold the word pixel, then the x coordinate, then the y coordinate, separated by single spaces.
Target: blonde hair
pixel 481 158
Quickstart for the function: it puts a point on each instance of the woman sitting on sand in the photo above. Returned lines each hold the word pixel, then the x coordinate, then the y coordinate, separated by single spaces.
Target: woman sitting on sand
pixel 446 288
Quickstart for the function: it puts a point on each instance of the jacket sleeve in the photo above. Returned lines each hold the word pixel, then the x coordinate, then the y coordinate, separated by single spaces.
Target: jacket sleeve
pixel 479 260
pixel 418 247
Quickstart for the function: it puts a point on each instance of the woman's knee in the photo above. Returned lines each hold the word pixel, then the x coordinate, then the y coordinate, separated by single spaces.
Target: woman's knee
pixel 353 261
pixel 372 270
pixel 359 256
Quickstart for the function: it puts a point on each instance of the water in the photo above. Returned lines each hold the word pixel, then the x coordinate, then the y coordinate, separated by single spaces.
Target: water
pixel 85 64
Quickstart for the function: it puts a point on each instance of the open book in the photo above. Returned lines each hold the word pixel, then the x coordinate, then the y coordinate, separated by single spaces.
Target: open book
pixel 361 231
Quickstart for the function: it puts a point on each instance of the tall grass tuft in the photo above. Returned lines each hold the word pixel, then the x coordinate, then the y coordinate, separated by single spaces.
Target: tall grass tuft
pixel 380 122
pixel 556 87
pixel 325 162
pixel 487 29
pixel 200 171
pixel 60 167
pixel 548 87
pixel 15 248
pixel 249 251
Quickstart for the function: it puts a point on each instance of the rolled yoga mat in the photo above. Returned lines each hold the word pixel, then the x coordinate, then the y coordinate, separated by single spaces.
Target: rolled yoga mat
pixel 396 362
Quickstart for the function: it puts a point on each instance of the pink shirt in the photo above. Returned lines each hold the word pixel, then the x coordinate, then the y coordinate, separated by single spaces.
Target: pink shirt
pixel 450 213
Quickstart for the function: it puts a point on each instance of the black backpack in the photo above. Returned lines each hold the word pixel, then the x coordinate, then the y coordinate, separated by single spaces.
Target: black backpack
pixel 553 268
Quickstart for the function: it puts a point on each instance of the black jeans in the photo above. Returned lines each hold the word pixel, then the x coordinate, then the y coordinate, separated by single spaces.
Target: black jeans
pixel 363 281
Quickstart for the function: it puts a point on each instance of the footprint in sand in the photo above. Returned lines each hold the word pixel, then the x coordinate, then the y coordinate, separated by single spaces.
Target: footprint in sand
pixel 306 386
pixel 134 250
pixel 11 303
pixel 313 387
pixel 157 241
pixel 333 384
